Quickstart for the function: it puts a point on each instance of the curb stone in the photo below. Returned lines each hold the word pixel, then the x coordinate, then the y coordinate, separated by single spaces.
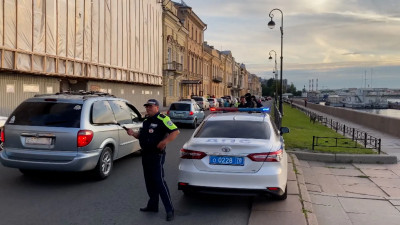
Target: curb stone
pixel 345 158
pixel 305 197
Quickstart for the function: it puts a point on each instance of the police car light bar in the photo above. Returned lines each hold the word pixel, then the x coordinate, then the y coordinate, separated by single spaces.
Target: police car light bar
pixel 229 109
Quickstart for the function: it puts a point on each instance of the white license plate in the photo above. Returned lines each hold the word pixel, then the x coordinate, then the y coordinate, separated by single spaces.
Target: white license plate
pixel 38 141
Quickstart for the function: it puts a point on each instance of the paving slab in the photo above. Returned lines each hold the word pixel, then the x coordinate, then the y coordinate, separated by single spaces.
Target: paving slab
pixel 379 173
pixel 371 166
pixel 395 202
pixel 346 172
pixel 393 192
pixel 348 180
pixel 365 189
pixel 374 219
pixel 313 188
pixel 293 189
pixel 368 207
pixel 321 170
pixel 316 163
pixel 329 184
pixel 386 182
pixel 285 212
pixel 329 211
pixel 309 176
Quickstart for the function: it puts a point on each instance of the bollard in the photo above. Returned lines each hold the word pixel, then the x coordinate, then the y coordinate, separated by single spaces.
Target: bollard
pixel 365 140
pixel 313 138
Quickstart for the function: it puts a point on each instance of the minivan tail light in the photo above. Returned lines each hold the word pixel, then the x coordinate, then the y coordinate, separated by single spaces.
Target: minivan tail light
pixel 84 137
pixel 267 156
pixel 168 112
pixel 191 113
pixel 190 154
pixel 2 135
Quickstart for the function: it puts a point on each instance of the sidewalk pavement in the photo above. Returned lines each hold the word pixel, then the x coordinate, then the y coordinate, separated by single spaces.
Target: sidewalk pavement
pixel 295 210
pixel 353 194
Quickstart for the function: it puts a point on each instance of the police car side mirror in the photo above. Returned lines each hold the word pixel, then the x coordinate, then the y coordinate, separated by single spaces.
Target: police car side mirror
pixel 284 130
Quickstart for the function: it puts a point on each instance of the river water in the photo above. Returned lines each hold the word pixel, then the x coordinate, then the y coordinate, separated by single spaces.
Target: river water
pixel 385 112
pixel 395 113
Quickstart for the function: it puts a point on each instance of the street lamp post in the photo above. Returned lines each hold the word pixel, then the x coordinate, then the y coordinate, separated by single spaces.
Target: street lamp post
pixel 276 75
pixel 271 25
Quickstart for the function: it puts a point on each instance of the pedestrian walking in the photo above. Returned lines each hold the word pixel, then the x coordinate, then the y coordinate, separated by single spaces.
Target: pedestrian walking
pixel 157 131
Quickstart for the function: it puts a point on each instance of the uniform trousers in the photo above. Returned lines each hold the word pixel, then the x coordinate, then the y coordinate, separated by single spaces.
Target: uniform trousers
pixel 153 169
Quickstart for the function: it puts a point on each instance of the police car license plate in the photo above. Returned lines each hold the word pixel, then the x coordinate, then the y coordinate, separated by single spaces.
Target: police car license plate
pixel 226 160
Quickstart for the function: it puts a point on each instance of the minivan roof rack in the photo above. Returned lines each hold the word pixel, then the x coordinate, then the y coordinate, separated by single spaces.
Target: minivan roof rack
pixel 84 93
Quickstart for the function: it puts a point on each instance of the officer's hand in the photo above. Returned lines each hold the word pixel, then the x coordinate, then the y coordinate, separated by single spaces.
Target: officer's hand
pixel 129 131
pixel 161 145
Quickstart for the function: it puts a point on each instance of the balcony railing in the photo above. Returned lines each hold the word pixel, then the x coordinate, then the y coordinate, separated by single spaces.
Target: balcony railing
pixel 173 66
pixel 217 79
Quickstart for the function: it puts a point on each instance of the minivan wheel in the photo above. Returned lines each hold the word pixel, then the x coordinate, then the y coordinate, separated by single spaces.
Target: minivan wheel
pixel 194 124
pixel 104 165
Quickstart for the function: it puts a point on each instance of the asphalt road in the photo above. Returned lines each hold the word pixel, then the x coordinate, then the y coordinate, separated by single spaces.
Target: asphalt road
pixel 75 198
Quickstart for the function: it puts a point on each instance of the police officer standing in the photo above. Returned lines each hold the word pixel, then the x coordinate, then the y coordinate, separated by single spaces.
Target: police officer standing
pixel 157 131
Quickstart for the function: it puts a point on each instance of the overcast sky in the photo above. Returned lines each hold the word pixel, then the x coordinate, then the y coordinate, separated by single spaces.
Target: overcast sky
pixel 342 43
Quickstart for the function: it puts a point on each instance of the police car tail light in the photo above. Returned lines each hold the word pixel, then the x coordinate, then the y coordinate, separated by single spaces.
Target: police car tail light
pixel 84 137
pixel 267 156
pixel 191 113
pixel 190 154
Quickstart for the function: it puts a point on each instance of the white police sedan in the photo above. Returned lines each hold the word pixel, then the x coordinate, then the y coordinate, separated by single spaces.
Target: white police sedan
pixel 238 152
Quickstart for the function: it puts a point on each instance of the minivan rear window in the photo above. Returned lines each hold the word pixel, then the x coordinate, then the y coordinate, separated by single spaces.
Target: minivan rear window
pixel 197 99
pixel 180 107
pixel 49 114
pixel 234 129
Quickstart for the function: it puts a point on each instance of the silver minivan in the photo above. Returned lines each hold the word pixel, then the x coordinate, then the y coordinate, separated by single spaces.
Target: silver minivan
pixel 70 132
pixel 186 113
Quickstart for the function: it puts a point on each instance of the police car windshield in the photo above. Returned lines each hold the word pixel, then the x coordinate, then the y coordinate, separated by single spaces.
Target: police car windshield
pixel 234 129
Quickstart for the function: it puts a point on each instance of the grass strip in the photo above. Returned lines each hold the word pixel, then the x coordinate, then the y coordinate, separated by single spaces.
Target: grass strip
pixel 302 132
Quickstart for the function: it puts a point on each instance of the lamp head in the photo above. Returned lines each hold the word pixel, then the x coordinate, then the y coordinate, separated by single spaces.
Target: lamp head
pixel 270 57
pixel 271 24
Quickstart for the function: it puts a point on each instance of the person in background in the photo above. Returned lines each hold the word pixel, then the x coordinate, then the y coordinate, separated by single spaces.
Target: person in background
pixel 249 102
pixel 227 103
pixel 242 102
pixel 257 103
pixel 157 131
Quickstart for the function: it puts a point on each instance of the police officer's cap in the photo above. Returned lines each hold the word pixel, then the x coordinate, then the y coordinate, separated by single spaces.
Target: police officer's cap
pixel 151 102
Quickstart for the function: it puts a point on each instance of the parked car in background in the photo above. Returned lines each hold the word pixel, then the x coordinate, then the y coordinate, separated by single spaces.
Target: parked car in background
pixel 235 152
pixel 203 102
pixel 186 113
pixel 213 102
pixel 70 132
pixel 188 100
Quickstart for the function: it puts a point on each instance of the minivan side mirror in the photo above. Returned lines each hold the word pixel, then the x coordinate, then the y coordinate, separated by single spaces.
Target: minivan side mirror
pixel 284 130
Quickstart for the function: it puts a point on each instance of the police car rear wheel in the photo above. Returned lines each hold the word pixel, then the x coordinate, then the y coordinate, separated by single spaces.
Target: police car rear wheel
pixel 281 197
pixel 104 165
